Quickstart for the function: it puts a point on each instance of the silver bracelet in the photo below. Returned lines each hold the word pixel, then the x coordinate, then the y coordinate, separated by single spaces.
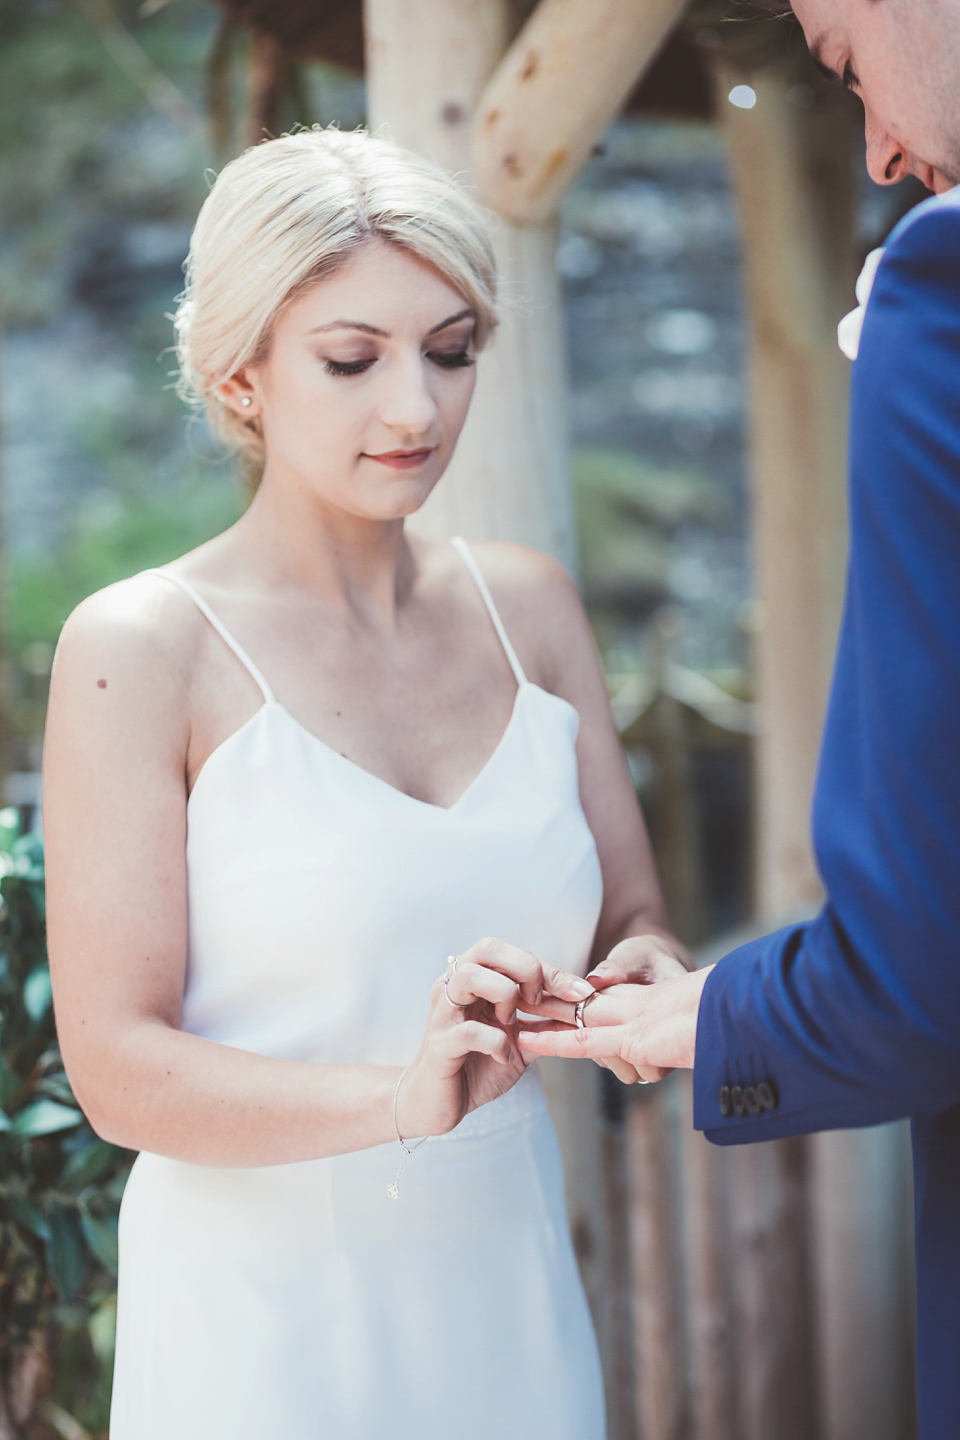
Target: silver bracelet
pixel 393 1189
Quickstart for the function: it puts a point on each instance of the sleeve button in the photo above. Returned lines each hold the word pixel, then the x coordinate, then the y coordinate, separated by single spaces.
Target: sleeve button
pixel 767 1095
pixel 751 1101
pixel 724 1100
pixel 736 1100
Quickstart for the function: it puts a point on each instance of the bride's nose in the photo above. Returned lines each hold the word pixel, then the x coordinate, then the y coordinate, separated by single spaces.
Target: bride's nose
pixel 408 404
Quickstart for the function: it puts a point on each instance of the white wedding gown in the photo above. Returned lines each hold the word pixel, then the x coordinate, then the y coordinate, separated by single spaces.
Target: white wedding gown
pixel 300 1302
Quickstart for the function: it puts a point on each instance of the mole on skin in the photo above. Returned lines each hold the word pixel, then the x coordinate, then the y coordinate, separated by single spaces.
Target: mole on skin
pixel 102 684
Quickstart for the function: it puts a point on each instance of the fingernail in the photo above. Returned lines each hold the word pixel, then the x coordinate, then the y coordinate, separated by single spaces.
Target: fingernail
pixel 581 989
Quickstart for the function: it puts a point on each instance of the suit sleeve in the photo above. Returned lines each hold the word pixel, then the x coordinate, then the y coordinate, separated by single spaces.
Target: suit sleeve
pixel 854 1019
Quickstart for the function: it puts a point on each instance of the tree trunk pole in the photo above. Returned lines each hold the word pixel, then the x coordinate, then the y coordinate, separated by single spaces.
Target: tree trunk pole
pixel 793 172
pixel 428 62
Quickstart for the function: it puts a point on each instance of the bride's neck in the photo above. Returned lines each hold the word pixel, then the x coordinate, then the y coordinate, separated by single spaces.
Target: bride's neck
pixel 346 560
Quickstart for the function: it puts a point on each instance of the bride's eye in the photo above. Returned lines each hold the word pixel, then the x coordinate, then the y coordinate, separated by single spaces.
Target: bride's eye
pixel 451 359
pixel 348 367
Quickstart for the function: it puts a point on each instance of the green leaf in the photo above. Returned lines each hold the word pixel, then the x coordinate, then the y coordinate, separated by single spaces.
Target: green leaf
pixel 66 1252
pixel 44 1117
pixel 28 1214
pixel 37 994
pixel 89 1164
pixel 101 1236
pixel 9 1088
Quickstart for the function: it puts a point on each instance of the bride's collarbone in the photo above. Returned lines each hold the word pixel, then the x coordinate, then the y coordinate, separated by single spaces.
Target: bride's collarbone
pixel 429 737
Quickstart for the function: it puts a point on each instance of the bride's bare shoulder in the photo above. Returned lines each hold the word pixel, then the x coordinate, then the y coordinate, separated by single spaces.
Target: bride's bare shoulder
pixel 540 607
pixel 138 636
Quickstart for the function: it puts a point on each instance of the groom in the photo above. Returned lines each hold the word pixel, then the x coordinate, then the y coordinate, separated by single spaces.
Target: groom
pixel 854 1019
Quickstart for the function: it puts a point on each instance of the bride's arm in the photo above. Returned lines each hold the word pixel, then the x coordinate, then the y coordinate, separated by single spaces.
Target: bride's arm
pixel 115 828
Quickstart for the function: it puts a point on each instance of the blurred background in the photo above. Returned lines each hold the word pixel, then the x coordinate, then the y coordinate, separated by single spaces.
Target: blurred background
pixel 114 116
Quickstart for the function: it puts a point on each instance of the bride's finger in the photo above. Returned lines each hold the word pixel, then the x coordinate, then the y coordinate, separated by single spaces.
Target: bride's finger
pixel 471 982
pixel 475 1038
pixel 529 972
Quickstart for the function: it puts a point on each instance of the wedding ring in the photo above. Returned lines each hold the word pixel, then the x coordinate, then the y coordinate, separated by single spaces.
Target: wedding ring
pixel 446 992
pixel 453 961
pixel 581 1006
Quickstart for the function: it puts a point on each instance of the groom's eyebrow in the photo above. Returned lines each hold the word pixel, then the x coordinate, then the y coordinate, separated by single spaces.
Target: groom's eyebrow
pixel 816 53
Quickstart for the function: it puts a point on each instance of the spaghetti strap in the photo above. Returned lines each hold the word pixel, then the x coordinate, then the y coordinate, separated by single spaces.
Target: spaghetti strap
pixel 220 628
pixel 466 555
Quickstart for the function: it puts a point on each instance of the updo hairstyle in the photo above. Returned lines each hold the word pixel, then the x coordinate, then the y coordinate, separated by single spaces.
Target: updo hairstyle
pixel 288 212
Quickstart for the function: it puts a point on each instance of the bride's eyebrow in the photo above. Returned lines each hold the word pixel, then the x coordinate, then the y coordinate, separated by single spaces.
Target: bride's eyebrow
pixel 467 314
pixel 385 334
pixel 347 325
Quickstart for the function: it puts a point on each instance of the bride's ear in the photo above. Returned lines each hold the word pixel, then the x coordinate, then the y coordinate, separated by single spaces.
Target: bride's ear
pixel 239 393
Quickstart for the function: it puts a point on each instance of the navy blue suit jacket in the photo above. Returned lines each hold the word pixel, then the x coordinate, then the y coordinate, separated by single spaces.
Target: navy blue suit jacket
pixel 854 1019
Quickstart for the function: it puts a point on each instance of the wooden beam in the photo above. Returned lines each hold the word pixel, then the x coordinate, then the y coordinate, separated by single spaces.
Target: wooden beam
pixel 556 91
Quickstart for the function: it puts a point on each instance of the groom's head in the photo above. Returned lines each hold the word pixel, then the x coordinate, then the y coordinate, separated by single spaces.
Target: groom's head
pixel 902 57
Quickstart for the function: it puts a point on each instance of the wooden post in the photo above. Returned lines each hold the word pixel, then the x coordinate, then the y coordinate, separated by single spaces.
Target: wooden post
pixel 657 1319
pixel 793 174
pixel 792 171
pixel 427 64
pixel 714 1361
pixel 860 1218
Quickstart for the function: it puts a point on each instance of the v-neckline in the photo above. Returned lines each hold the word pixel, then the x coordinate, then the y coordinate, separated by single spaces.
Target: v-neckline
pixel 274 706
pixel 378 780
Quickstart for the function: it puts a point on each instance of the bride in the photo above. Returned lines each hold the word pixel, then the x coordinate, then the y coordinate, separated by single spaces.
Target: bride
pixel 286 777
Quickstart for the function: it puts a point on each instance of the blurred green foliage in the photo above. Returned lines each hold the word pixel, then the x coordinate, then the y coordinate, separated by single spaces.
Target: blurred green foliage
pixel 60 1185
pixel 627 511
pixel 67 113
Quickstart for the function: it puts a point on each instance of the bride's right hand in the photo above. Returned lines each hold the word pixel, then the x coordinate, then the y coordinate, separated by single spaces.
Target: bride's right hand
pixel 469 1053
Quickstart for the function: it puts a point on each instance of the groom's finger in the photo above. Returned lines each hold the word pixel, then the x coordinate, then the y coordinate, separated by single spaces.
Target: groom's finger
pixel 602 1042
pixel 563 1010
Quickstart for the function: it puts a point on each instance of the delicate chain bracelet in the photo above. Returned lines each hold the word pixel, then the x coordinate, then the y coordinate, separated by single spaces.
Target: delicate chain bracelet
pixel 393 1189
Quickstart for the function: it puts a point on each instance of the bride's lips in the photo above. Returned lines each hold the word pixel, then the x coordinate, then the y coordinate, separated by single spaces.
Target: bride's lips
pixel 403 459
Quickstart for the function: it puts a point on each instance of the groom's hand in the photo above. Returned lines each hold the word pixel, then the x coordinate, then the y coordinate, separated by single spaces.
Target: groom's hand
pixel 642 960
pixel 651 1027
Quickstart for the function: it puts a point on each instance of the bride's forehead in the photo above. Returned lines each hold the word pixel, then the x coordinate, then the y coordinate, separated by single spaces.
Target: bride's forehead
pixel 381 287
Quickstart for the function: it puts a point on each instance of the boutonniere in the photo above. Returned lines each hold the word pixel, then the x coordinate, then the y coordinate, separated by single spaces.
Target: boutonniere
pixel 848 331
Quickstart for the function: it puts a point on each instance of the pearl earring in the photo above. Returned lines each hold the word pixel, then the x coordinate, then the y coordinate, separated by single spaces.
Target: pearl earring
pixel 245 401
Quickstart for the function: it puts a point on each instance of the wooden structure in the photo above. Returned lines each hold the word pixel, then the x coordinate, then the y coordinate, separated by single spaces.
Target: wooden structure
pixel 768 1283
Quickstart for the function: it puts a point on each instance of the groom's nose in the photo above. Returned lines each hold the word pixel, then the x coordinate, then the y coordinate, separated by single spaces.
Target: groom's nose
pixel 887 160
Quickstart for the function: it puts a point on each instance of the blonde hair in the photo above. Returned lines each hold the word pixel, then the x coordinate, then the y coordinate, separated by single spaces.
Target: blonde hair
pixel 292 210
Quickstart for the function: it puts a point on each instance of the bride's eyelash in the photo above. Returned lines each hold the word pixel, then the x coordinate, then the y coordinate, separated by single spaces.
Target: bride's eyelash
pixel 451 359
pixel 446 359
pixel 347 367
pixel 848 80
